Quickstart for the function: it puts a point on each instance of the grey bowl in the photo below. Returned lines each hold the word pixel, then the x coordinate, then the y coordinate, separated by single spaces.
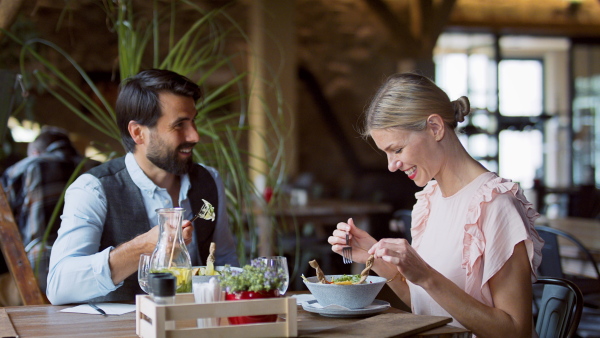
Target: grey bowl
pixel 351 296
pixel 205 279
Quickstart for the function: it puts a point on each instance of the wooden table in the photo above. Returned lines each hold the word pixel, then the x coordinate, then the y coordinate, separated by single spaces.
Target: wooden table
pixel 48 321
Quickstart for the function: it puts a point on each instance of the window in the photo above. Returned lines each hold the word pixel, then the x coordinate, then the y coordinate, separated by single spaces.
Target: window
pixel 520 87
pixel 506 129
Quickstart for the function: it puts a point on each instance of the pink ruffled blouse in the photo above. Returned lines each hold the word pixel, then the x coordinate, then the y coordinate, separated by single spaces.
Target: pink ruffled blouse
pixel 470 235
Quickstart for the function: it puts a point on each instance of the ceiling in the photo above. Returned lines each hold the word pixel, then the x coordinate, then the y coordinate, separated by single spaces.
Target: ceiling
pixel 577 18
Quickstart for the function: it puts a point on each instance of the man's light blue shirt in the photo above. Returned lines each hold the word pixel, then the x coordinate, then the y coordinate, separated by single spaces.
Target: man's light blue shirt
pixel 78 272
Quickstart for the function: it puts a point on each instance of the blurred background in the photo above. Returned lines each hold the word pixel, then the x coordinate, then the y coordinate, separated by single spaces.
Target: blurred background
pixel 530 68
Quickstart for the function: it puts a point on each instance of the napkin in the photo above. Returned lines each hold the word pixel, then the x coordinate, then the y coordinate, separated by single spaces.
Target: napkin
pixel 208 293
pixel 109 308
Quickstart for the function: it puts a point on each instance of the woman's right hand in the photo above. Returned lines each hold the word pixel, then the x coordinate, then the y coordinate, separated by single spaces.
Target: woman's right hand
pixel 360 241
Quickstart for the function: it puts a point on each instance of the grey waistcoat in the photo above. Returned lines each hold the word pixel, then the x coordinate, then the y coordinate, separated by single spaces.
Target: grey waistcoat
pixel 126 215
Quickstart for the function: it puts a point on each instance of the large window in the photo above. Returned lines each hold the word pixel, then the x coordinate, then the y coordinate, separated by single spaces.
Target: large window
pixel 520 87
pixel 586 114
pixel 503 77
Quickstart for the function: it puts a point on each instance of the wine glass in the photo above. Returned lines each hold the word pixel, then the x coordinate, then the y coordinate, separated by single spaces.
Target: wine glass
pixel 279 262
pixel 143 270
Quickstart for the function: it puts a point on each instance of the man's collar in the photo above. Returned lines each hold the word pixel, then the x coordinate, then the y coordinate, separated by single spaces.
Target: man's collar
pixel 145 184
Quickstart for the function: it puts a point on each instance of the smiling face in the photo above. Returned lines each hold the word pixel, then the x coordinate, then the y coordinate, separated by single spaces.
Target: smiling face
pixel 413 152
pixel 172 139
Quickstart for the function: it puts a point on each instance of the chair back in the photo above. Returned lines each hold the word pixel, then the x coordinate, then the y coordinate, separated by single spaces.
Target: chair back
pixel 403 217
pixel 551 262
pixel 13 250
pixel 559 309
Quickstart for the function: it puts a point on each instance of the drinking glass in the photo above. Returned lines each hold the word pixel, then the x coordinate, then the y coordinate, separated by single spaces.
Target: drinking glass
pixel 143 270
pixel 279 262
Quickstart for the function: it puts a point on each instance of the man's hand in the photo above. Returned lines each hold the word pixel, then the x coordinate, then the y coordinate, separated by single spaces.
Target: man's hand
pixel 187 232
pixel 124 259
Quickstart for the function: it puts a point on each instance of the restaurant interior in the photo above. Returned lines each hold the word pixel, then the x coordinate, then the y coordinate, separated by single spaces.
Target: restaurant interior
pixel 531 70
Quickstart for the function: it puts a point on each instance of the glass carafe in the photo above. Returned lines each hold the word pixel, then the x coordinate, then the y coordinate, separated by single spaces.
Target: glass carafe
pixel 171 254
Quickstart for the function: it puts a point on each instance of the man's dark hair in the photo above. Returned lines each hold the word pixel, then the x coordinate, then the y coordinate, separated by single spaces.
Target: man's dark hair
pixel 138 99
pixel 47 136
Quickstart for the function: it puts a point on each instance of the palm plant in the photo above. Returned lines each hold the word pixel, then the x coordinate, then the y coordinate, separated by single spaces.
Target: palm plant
pixel 197 53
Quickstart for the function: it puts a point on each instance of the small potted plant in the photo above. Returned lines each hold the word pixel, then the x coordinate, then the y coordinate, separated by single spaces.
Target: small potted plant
pixel 257 280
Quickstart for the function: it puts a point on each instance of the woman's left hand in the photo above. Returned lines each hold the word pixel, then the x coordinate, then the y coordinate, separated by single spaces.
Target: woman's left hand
pixel 397 251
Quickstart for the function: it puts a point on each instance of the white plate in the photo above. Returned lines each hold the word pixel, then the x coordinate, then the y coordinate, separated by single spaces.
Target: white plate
pixel 341 312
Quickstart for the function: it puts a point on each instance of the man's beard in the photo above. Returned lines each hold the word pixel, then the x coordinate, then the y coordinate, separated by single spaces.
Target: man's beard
pixel 166 159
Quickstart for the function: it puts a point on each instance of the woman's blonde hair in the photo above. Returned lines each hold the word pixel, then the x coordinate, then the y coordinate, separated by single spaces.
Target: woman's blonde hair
pixel 406 100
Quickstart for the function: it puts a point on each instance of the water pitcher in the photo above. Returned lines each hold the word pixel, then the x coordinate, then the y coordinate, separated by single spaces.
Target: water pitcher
pixel 171 254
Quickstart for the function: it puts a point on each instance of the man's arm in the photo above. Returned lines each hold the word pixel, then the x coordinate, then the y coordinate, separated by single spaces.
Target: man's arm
pixel 124 259
pixel 79 272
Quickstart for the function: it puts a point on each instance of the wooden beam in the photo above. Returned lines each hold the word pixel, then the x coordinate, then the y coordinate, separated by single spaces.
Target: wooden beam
pixel 441 16
pixel 418 17
pixel 419 28
pixel 399 27
pixel 12 248
pixel 433 20
pixel 548 17
pixel 418 23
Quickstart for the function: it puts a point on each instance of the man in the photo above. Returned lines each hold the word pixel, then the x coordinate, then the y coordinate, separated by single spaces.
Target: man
pixel 33 188
pixel 109 216
pixel 33 185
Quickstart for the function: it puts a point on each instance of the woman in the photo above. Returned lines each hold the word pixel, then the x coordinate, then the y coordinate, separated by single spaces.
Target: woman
pixel 475 250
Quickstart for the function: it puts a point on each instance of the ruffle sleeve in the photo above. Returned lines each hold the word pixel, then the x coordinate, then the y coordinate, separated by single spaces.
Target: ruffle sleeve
pixel 474 241
pixel 420 213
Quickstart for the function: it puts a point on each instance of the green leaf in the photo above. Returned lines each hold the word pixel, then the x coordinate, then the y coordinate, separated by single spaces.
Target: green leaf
pixel 199 53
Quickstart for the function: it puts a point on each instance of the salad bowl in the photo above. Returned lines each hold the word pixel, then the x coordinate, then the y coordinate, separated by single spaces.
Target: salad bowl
pixel 351 296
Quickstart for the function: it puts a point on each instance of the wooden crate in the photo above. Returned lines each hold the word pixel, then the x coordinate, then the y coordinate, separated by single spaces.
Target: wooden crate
pixel 151 318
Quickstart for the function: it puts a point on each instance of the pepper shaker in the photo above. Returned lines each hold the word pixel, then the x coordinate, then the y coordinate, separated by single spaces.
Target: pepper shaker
pixel 163 289
pixel 163 292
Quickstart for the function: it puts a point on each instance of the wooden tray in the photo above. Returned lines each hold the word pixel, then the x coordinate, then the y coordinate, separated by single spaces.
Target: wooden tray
pixel 151 319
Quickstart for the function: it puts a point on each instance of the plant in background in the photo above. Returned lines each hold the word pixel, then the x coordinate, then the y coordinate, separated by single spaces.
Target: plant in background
pixel 197 53
pixel 256 277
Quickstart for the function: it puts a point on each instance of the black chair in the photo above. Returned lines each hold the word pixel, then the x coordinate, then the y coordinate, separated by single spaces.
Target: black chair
pixel 559 304
pixel 403 223
pixel 552 264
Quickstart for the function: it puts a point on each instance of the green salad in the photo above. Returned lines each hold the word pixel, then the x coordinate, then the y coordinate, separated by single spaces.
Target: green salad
pixel 346 278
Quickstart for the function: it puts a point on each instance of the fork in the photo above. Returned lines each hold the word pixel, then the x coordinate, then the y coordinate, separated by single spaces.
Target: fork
pixel 347 251
pixel 207 212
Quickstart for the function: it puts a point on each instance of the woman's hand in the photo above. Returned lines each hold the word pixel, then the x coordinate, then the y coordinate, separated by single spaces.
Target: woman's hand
pixel 360 240
pixel 398 252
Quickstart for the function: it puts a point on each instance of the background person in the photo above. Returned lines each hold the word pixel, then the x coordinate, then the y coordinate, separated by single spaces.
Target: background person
pixel 33 188
pixel 109 216
pixel 475 250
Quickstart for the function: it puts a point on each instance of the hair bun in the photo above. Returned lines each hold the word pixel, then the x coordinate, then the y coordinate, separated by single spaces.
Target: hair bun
pixel 461 107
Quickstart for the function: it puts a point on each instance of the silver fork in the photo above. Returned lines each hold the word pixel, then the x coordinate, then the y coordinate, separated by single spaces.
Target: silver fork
pixel 347 251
